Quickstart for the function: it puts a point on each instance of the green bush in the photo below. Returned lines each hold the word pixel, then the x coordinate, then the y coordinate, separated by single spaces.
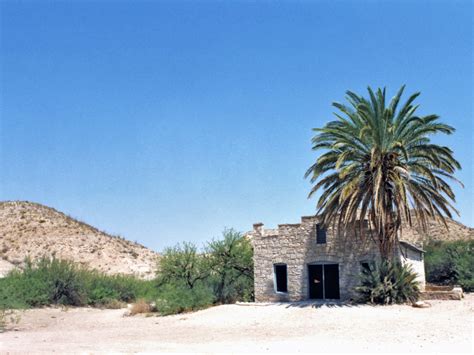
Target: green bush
pixel 53 281
pixel 102 289
pixel 18 292
pixel 177 298
pixel 46 282
pixel 450 263
pixel 387 283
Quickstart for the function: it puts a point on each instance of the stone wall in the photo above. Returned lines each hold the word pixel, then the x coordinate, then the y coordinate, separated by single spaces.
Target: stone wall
pixel 295 245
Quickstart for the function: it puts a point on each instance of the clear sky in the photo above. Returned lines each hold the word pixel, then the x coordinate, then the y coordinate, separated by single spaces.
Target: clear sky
pixel 168 121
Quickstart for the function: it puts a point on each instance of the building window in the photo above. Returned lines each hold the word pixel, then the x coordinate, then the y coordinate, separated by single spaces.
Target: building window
pixel 281 278
pixel 320 235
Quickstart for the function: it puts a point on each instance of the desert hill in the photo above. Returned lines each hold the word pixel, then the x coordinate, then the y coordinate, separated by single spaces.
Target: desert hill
pixel 436 231
pixel 34 230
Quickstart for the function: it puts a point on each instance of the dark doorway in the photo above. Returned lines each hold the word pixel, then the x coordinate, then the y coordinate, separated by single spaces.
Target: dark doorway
pixel 315 281
pixel 331 281
pixel 323 281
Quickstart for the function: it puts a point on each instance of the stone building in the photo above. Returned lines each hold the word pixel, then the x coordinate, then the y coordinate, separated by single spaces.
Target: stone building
pixel 303 261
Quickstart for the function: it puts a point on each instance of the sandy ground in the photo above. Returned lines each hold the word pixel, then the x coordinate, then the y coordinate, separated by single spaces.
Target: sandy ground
pixel 445 327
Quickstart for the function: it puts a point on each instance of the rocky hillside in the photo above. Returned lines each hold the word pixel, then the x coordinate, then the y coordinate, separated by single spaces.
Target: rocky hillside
pixel 437 231
pixel 34 230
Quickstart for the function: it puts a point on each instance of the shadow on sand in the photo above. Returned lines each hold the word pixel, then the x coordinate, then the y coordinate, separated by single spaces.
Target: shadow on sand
pixel 319 304
pixel 307 304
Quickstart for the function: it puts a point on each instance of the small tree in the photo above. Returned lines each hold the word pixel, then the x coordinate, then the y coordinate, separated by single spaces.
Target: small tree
pixel 189 279
pixel 183 264
pixel 183 281
pixel 231 262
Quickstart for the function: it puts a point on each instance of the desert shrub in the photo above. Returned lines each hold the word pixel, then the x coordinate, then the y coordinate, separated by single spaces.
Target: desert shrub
pixel 102 289
pixel 48 281
pixel 53 281
pixel 18 291
pixel 387 283
pixel 179 297
pixel 450 263
pixel 111 291
pixel 140 306
pixel 100 295
pixel 63 279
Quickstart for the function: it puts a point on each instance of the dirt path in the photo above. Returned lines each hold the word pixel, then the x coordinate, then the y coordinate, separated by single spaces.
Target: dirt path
pixel 445 327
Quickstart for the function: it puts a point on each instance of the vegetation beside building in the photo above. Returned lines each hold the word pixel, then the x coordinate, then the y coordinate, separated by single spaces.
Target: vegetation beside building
pixel 189 279
pixel 450 263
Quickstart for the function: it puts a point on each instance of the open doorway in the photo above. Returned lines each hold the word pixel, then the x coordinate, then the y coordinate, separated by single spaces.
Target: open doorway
pixel 323 281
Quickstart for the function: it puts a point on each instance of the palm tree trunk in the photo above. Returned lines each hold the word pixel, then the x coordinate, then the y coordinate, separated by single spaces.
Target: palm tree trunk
pixel 386 237
pixel 389 241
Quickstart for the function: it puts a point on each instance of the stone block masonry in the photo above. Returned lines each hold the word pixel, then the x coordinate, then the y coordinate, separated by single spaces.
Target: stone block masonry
pixel 296 246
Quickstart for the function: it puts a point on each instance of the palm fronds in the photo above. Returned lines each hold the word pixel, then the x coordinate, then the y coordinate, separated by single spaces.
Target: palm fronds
pixel 379 164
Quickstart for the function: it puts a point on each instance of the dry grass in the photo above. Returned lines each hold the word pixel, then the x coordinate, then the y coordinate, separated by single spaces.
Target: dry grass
pixel 139 307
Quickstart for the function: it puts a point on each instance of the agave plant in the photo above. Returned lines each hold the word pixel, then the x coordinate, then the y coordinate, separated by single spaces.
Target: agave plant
pixel 390 282
pixel 379 164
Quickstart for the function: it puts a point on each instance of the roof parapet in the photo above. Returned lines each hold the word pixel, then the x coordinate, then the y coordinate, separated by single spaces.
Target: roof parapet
pixel 258 228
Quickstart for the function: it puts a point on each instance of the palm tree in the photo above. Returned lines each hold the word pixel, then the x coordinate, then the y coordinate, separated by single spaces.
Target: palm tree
pixel 379 164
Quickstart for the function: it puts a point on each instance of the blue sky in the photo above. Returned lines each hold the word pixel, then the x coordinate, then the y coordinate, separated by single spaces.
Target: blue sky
pixel 168 121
